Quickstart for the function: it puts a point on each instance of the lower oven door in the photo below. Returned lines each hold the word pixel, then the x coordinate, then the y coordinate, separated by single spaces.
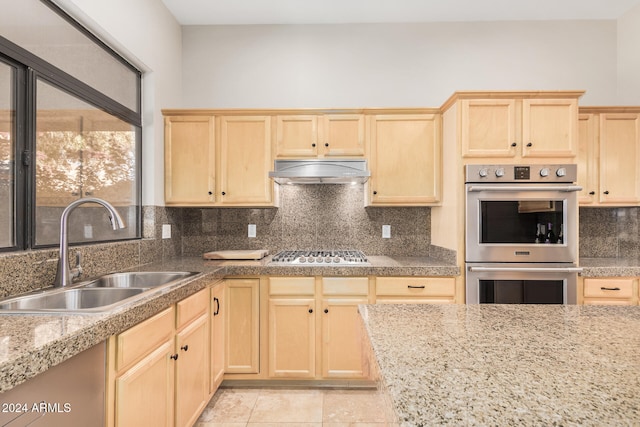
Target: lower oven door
pixel 521 283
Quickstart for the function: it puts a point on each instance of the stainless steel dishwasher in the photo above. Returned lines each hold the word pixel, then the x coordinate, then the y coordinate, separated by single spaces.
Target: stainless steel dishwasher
pixel 69 394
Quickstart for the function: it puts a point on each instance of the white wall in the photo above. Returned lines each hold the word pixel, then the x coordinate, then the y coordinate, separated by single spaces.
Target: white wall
pixel 390 65
pixel 149 36
pixel 629 58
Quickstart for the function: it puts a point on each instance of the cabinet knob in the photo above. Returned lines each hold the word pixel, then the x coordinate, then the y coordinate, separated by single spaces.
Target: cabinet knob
pixel 326 310
pixel 185 347
pixel 530 144
pixel 375 192
pixel 210 193
pixel 513 144
pixel 326 144
pixel 311 310
pixel 591 193
pixel 313 145
pixel 223 193
pixel 174 356
pixel 606 192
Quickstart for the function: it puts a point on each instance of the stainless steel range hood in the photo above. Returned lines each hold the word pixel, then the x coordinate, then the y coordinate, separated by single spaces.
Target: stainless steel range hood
pixel 320 171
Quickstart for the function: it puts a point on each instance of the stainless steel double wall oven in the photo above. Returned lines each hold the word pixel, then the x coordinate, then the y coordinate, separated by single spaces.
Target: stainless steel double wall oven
pixel 521 234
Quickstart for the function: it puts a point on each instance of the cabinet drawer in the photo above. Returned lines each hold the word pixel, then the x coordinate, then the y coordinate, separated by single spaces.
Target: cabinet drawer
pixel 345 286
pixel 608 288
pixel 135 343
pixel 416 286
pixel 192 307
pixel 292 286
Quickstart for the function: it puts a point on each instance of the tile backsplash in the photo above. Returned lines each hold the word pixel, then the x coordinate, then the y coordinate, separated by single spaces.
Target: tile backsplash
pixel 610 232
pixel 310 216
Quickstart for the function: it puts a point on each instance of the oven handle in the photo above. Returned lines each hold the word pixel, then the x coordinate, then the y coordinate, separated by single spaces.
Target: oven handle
pixel 530 269
pixel 564 188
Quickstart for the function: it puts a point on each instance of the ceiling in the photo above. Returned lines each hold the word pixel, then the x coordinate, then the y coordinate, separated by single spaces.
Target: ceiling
pixel 251 12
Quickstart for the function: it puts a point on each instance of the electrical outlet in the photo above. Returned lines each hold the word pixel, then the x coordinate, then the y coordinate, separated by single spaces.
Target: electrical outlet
pixel 386 231
pixel 252 230
pixel 166 231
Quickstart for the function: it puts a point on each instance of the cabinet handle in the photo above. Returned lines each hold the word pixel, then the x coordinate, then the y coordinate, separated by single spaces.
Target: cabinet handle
pixel 311 310
pixel 185 347
pixel 530 144
pixel 174 356
pixel 326 310
pixel 591 193
pixel 609 289
pixel 606 192
pixel 415 287
pixel 513 144
pixel 217 310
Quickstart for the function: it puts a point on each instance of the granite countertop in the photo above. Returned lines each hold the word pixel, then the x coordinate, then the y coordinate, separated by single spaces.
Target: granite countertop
pixel 32 343
pixel 610 267
pixel 508 364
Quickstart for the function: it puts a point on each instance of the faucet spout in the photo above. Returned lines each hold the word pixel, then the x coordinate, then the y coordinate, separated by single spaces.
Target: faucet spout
pixel 64 274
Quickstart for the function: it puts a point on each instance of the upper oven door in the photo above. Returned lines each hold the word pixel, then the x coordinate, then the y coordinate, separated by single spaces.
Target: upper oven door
pixel 521 223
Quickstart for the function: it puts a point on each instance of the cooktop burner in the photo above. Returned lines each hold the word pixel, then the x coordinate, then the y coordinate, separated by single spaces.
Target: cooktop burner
pixel 347 257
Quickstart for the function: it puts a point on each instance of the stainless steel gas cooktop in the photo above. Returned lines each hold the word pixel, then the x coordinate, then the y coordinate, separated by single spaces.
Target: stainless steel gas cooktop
pixel 338 258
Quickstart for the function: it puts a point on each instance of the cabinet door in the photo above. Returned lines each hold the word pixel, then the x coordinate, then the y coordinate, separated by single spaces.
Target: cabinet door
pixel 145 393
pixel 192 371
pixel 189 160
pixel 342 355
pixel 549 127
pixel 297 136
pixel 242 325
pixel 405 160
pixel 619 158
pixel 292 332
pixel 245 160
pixel 488 128
pixel 218 313
pixel 587 158
pixel 342 135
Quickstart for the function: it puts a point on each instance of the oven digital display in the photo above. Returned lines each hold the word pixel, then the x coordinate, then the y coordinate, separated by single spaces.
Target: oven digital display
pixel 522 172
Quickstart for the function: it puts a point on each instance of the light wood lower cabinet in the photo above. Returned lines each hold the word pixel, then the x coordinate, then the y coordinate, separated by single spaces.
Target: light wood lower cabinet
pixel 242 340
pixel 218 325
pixel 609 291
pixel 306 343
pixel 161 364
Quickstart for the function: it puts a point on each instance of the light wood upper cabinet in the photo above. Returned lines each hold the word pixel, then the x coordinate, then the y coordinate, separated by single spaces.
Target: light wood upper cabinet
pixel 609 156
pixel 620 158
pixel 189 162
pixel 245 161
pixel 405 160
pixel 304 136
pixel 514 128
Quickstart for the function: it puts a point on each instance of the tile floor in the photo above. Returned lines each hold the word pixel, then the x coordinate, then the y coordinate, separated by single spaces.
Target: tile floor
pixel 259 407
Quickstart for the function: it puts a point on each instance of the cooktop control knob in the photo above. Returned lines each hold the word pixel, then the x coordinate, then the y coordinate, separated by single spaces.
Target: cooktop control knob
pixel 544 172
pixel 500 172
pixel 561 172
pixel 483 172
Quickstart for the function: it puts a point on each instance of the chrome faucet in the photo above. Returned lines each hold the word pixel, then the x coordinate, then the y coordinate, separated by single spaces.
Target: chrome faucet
pixel 64 274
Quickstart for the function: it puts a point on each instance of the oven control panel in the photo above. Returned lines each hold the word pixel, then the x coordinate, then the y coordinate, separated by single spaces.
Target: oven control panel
pixel 522 173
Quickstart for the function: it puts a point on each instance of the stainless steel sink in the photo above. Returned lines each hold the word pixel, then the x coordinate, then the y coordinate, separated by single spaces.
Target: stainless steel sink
pixel 138 279
pixel 70 300
pixel 95 296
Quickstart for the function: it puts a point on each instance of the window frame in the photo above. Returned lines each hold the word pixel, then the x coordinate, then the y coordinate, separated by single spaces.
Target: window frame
pixel 29 69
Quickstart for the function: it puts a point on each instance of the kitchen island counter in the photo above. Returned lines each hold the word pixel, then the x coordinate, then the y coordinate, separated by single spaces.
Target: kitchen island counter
pixel 507 364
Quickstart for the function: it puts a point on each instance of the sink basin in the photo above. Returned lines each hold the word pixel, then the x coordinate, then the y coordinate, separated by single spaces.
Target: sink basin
pixel 70 300
pixel 138 279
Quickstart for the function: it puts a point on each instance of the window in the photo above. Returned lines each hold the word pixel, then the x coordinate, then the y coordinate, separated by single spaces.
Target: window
pixel 75 105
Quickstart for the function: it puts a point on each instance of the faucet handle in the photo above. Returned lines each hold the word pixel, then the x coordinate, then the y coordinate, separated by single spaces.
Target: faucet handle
pixel 77 270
